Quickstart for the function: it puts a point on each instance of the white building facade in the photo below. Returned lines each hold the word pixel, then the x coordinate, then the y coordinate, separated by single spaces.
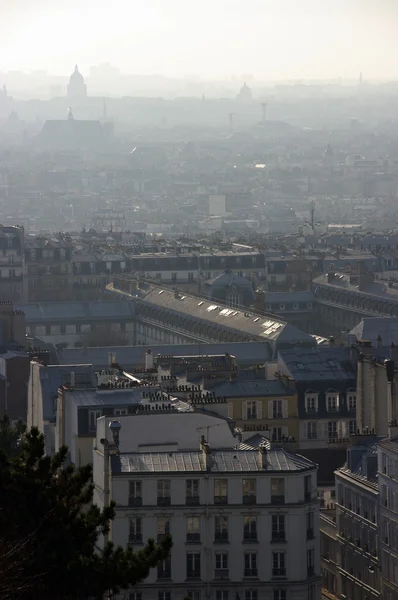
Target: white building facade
pixel 244 523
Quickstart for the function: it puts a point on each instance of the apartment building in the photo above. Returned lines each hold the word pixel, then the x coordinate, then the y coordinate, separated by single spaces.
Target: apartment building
pixel 387 457
pixel 244 522
pixel 325 381
pixel 12 263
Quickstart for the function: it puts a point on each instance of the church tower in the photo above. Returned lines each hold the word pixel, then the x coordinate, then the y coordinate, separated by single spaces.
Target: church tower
pixel 76 88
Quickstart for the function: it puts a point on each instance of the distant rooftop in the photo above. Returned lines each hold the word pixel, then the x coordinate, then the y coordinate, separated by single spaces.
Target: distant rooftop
pixel 324 363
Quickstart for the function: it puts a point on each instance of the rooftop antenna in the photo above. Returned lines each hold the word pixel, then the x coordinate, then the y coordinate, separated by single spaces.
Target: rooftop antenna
pixel 264 109
pixel 70 114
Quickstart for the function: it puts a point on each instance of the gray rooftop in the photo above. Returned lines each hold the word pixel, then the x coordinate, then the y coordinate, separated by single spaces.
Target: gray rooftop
pixel 251 389
pixel 377 288
pixel 53 376
pixel 42 312
pixel 223 461
pixel 133 356
pixel 370 328
pixel 324 363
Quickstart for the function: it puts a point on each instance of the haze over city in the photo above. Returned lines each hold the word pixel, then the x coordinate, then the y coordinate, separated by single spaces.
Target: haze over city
pixel 272 39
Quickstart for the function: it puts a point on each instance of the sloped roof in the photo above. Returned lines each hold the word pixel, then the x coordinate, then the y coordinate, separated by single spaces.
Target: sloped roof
pixel 370 328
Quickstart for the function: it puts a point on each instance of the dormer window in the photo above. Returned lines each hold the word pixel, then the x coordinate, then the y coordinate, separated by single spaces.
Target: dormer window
pixel 332 401
pixel 311 403
pixel 351 401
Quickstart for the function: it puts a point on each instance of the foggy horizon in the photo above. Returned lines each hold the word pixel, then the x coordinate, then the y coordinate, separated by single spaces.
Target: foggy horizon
pixel 272 40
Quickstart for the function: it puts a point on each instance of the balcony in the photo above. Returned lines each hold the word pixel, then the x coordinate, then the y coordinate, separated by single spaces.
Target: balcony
pixel 192 500
pixel 278 499
pixel 221 574
pixel 250 573
pixel 164 501
pixel 135 538
pixel 278 536
pixel 252 499
pixel 220 500
pixel 277 415
pixel 133 501
pixel 193 574
pixel 280 572
pixel 193 538
pixel 250 536
pixel 221 536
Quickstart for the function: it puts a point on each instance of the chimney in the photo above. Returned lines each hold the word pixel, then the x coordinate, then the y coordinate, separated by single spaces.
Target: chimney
pixel 206 453
pixel 148 360
pixel 262 457
pixel 72 379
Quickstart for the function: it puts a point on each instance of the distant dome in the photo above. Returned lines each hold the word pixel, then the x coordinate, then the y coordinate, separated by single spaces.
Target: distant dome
pixel 76 77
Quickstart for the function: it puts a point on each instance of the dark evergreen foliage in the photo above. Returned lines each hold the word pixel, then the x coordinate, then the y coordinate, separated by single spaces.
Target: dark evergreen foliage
pixel 49 530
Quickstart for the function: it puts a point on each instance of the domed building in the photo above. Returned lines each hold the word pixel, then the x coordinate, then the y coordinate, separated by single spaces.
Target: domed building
pixel 245 94
pixel 76 86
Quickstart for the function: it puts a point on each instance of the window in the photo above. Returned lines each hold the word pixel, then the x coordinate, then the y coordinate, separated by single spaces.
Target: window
pixel 174 277
pixel 311 403
pixel 33 254
pixel 221 491
pixel 278 564
pixel 249 491
pixel 93 415
pixel 277 409
pixel 310 525
pixel 222 595
pixel 221 529
pixel 164 595
pixel 250 528
pixel 279 594
pixel 135 596
pixel 164 569
pixel 251 595
pixel 135 493
pixel 352 401
pixel 193 529
pixel 158 276
pixel 193 565
pixel 352 427
pixel 190 276
pixel 310 562
pixel 194 595
pixel 135 535
pixel 250 564
pixel 251 412
pixel 221 563
pixel 278 528
pixel 332 402
pixel 312 592
pixel 307 488
pixel 119 412
pixel 281 307
pixel 164 492
pixel 332 429
pixel 312 430
pixel 277 491
pixel 192 492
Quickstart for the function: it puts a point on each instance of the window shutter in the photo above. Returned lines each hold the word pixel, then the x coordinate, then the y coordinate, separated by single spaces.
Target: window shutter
pixel 285 409
pixel 244 410
pixel 259 409
pixel 230 410
pixel 270 408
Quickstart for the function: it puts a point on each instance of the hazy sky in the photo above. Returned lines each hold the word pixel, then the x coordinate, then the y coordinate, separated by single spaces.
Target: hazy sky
pixel 273 39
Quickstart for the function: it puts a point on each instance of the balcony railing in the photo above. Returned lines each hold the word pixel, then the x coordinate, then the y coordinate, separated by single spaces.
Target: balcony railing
pixel 250 573
pixel 220 499
pixel 193 574
pixel 192 500
pixel 278 536
pixel 250 536
pixel 193 537
pixel 221 536
pixel 279 572
pixel 135 501
pixel 251 499
pixel 221 574
pixel 278 499
pixel 164 501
